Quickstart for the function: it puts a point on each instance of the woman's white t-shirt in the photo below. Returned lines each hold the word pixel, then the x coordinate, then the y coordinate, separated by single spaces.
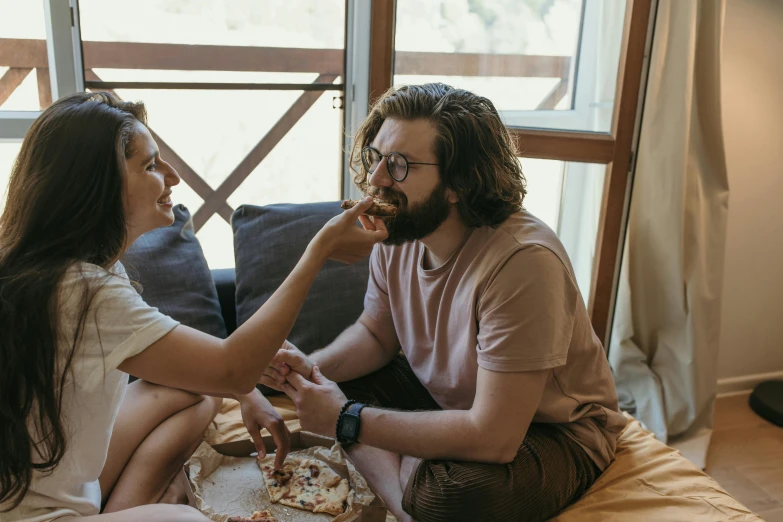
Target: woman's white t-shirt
pixel 119 325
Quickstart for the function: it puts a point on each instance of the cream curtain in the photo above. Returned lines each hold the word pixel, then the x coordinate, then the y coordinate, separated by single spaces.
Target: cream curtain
pixel 664 342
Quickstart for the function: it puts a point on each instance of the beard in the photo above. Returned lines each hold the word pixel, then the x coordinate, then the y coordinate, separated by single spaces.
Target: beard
pixel 416 221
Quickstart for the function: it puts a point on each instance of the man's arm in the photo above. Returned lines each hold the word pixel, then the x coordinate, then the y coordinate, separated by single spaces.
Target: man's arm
pixel 491 431
pixel 362 348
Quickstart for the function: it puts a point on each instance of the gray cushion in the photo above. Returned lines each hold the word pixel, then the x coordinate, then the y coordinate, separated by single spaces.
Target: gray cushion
pixel 174 276
pixel 268 242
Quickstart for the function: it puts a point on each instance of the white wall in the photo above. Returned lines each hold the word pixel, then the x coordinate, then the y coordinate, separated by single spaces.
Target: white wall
pixel 752 316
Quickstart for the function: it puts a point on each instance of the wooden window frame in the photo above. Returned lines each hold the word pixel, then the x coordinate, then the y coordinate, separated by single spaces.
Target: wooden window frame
pixel 613 149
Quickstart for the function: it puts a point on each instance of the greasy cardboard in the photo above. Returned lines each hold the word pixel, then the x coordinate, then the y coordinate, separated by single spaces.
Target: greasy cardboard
pixel 375 512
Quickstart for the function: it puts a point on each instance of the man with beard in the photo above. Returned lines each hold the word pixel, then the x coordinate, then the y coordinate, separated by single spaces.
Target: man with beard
pixel 472 387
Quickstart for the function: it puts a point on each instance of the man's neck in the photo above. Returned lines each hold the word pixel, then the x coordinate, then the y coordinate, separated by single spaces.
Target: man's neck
pixel 442 243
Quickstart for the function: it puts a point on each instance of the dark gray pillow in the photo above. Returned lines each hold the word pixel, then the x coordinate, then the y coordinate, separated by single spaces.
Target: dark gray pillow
pixel 174 276
pixel 268 242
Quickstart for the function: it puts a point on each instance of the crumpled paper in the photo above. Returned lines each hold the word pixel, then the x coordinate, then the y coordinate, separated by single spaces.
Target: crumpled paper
pixel 234 486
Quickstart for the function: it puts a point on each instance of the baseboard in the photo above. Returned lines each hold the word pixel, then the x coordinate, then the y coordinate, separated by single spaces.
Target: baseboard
pixel 744 383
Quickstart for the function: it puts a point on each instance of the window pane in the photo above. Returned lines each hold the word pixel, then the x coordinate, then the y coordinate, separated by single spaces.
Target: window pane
pixel 23 61
pixel 545 64
pixel 111 42
pixel 567 197
pixel 8 152
pixel 214 131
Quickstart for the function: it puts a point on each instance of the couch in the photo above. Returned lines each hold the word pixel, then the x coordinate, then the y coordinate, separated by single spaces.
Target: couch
pixel 648 481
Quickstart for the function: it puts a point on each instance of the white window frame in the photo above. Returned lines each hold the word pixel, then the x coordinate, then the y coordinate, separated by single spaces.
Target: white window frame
pixel 357 82
pixel 63 48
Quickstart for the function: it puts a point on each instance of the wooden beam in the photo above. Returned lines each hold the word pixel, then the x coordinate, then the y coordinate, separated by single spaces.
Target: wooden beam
pixel 17 52
pixel 381 47
pixel 259 152
pixel 12 79
pixel 610 231
pixel 44 87
pixel 194 181
pixel 134 55
pixel 473 64
pixel 585 147
pixel 554 96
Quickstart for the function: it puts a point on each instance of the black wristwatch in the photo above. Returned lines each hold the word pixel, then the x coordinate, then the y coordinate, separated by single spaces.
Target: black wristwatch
pixel 348 423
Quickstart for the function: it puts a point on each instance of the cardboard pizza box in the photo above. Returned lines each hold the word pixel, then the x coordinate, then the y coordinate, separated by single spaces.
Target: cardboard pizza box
pixel 374 512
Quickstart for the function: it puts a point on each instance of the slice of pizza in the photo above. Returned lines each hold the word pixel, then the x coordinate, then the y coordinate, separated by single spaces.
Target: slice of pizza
pixel 278 481
pixel 315 487
pixel 258 516
pixel 379 208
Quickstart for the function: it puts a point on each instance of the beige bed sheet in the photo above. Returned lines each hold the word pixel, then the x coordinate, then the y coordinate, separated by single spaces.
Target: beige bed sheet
pixel 648 481
pixel 228 426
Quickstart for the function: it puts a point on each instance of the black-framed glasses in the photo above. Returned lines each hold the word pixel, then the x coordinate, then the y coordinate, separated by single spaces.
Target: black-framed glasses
pixel 396 163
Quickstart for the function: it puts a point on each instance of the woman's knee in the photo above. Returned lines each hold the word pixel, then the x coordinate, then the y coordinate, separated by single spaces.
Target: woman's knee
pixel 212 407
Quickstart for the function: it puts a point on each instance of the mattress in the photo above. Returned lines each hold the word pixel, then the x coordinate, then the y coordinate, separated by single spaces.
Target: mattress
pixel 648 481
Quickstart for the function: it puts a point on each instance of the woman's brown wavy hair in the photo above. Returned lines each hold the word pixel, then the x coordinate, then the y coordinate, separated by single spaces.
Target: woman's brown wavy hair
pixel 64 207
pixel 476 153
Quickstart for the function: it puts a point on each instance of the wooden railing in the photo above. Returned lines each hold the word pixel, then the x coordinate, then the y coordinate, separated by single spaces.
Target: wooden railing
pixel 21 56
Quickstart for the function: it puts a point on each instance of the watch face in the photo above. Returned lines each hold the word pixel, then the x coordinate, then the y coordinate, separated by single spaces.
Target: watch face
pixel 349 425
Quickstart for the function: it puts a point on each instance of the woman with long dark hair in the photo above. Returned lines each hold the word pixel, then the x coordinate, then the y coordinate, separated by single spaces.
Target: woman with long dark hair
pixel 75 439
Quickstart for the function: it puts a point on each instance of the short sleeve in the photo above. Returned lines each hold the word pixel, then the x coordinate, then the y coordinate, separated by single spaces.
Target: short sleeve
pixel 119 323
pixel 376 300
pixel 527 313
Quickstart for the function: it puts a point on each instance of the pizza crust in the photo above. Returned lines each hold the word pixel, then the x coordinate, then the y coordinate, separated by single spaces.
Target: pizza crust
pixel 258 516
pixel 379 208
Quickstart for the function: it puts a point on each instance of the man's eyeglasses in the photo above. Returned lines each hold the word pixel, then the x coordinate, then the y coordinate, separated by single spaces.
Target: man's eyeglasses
pixel 396 163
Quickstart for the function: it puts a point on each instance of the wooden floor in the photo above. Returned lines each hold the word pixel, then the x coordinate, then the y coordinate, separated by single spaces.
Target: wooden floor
pixel 746 457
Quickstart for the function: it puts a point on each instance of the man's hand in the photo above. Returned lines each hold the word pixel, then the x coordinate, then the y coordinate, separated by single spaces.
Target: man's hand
pixel 289 358
pixel 318 403
pixel 258 413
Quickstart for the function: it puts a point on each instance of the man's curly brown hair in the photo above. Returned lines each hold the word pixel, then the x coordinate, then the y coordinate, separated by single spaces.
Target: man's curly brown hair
pixel 475 152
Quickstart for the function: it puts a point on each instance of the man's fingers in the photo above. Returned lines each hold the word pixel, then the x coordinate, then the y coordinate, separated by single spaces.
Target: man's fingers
pixel 296 380
pixel 317 376
pixel 289 390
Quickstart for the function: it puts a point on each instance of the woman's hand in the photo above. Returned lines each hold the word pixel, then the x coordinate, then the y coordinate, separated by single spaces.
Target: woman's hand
pixel 288 358
pixel 341 240
pixel 258 413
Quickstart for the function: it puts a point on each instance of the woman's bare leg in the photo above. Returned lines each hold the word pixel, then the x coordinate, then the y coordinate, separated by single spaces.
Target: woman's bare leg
pixel 156 431
pixel 152 513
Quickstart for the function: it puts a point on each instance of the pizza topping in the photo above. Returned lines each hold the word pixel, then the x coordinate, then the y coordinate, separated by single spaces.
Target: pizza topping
pixel 378 208
pixel 307 484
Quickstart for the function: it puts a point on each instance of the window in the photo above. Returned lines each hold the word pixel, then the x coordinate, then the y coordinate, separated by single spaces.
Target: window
pixel 546 64
pixel 8 152
pixel 566 77
pixel 567 197
pixel 24 69
pixel 224 84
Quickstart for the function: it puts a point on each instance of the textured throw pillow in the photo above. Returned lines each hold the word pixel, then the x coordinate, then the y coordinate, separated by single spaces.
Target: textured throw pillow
pixel 170 267
pixel 268 242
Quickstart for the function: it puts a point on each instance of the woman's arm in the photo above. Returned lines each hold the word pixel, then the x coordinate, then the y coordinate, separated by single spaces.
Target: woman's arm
pixel 188 359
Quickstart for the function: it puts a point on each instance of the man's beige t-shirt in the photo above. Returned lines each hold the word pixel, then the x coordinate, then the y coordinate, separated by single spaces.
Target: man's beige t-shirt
pixel 506 300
